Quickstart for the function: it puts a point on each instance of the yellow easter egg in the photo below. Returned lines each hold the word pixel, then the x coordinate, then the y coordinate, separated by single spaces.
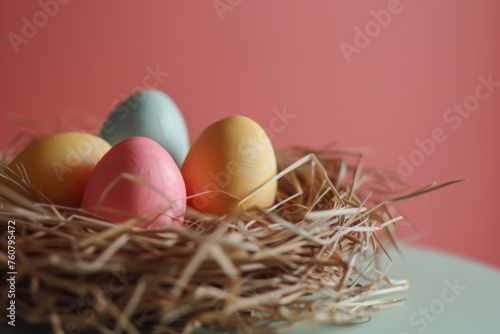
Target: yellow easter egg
pixel 55 169
pixel 229 161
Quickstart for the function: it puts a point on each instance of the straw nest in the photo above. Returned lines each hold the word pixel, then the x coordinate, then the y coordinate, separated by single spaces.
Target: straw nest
pixel 308 258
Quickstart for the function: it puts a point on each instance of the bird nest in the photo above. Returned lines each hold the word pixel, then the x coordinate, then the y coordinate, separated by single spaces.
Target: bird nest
pixel 310 257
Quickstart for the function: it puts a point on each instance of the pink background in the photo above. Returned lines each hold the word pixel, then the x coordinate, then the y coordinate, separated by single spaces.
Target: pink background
pixel 259 56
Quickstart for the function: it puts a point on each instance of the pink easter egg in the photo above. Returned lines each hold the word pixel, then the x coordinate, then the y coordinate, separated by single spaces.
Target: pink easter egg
pixel 134 178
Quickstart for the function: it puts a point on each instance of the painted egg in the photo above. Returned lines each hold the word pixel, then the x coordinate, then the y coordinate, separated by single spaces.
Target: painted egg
pixel 137 177
pixel 56 169
pixel 150 114
pixel 229 161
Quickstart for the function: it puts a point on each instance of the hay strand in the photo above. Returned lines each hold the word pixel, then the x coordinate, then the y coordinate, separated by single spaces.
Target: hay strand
pixel 309 258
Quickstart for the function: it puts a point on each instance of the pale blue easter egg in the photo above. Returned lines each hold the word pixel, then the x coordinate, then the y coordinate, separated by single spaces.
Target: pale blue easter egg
pixel 151 114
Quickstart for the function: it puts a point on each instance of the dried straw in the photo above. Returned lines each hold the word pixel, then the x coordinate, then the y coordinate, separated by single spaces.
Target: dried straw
pixel 309 258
